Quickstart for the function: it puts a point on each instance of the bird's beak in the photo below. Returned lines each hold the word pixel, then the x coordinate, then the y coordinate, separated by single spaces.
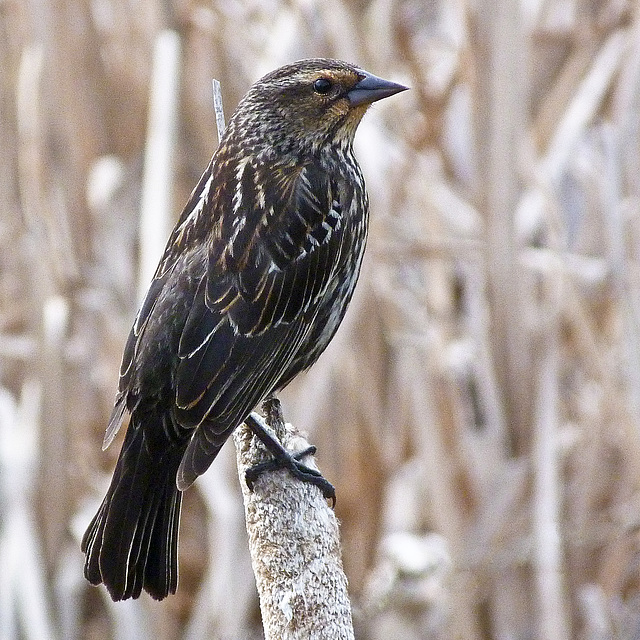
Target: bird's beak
pixel 372 88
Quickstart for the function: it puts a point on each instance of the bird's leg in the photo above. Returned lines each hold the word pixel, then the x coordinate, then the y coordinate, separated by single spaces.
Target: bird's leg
pixel 268 431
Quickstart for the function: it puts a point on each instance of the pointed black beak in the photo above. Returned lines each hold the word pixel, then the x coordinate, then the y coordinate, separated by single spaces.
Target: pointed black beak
pixel 372 88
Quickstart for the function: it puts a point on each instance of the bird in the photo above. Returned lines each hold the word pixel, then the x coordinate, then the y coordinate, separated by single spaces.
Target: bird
pixel 254 282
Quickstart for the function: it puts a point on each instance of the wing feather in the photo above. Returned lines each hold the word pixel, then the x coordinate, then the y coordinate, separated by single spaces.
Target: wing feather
pixel 255 378
pixel 184 232
pixel 253 312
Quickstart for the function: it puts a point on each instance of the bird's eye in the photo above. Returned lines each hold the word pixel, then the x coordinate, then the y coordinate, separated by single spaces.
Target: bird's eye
pixel 322 86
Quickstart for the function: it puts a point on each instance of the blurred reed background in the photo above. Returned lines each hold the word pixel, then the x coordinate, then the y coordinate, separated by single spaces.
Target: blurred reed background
pixel 478 412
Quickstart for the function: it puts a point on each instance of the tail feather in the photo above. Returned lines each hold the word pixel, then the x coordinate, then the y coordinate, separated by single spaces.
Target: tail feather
pixel 132 541
pixel 163 543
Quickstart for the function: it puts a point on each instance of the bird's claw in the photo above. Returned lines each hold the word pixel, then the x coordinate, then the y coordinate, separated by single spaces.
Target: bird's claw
pixel 297 469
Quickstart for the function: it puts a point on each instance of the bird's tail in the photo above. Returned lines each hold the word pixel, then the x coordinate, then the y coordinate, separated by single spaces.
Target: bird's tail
pixel 132 541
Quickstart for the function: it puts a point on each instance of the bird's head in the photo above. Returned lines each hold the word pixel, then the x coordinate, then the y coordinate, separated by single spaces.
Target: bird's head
pixel 309 104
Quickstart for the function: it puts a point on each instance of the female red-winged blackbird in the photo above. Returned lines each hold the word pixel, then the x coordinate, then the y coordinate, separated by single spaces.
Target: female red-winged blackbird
pixel 253 283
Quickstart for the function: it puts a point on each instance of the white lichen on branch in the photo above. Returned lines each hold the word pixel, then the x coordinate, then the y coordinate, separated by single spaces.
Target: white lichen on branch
pixel 295 548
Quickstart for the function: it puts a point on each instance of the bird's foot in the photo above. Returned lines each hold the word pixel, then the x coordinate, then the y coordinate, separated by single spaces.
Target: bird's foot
pixel 283 459
pixel 292 463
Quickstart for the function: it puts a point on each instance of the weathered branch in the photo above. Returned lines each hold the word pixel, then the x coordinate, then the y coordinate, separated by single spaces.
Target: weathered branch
pixel 295 547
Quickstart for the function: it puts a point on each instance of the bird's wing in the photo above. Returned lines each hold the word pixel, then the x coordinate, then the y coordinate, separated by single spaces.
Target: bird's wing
pixel 279 256
pixel 253 310
pixel 188 227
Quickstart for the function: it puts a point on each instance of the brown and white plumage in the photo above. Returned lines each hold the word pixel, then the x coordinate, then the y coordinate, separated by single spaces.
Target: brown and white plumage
pixel 254 282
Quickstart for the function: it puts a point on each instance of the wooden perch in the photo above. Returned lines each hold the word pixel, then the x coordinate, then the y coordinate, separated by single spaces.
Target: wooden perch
pixel 294 545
